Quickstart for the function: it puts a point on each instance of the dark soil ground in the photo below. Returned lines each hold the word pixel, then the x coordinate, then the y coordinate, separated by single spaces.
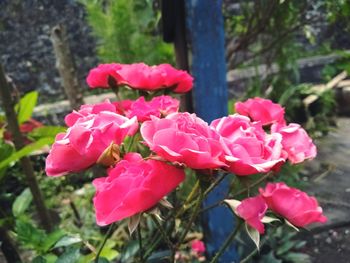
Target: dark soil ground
pixel 330 183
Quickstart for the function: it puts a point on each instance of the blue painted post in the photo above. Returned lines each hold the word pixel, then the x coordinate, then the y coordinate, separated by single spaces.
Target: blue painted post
pixel 206 34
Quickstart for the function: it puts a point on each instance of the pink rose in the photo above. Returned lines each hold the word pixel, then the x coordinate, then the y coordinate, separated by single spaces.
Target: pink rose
pixel 140 76
pixel 296 142
pixel 252 210
pixel 158 106
pixel 198 247
pixel 291 203
pixel 262 110
pixel 184 138
pixel 101 76
pixel 84 142
pixel 134 185
pixel 247 148
pixel 88 109
pixel 151 78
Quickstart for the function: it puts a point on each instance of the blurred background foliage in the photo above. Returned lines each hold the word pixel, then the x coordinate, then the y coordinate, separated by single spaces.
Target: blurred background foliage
pixel 276 34
pixel 127 31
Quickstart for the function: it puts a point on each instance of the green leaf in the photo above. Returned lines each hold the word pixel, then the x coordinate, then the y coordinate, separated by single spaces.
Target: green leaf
pixel 254 235
pixel 67 241
pixel 165 203
pixel 28 149
pixel 286 247
pixel 49 258
pixel 297 257
pixel 22 202
pixel 159 256
pixel 129 251
pixel 5 151
pixel 109 253
pixel 26 106
pixel 269 258
pixel 52 238
pixel 102 260
pixel 133 222
pixel 29 235
pixel 233 204
pixel 46 131
pixel 291 225
pixel 269 219
pixel 39 259
pixel 71 255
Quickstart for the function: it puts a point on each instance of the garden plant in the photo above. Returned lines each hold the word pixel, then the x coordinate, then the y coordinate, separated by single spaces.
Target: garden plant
pixel 155 165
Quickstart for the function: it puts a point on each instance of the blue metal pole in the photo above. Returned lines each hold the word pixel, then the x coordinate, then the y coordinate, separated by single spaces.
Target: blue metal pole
pixel 206 35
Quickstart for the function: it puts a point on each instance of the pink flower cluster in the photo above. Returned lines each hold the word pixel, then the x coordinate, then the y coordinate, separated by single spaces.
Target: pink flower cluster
pixel 140 76
pixel 254 140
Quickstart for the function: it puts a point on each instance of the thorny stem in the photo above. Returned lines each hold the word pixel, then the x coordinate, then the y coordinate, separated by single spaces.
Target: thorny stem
pixel 207 191
pixel 251 254
pixel 139 237
pixel 228 241
pixel 220 202
pixel 152 247
pixel 257 182
pixel 193 217
pixel 109 231
pixel 217 181
pixel 190 197
pixel 162 232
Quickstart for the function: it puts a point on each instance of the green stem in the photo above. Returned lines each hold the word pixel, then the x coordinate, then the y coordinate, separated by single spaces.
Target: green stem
pixel 109 231
pixel 130 143
pixel 152 247
pixel 228 241
pixel 263 178
pixel 207 191
pixel 220 202
pixel 139 237
pixel 190 197
pixel 162 232
pixel 251 254
pixel 193 217
pixel 212 206
pixel 217 181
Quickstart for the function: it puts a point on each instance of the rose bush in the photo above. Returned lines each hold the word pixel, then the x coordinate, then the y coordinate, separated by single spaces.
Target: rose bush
pixel 255 140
